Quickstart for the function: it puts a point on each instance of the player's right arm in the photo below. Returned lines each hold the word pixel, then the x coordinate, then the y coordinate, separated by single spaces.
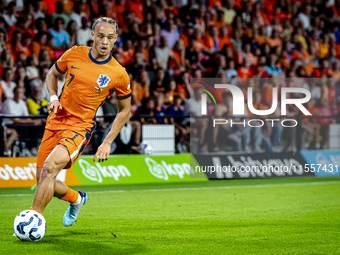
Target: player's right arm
pixel 58 69
pixel 52 87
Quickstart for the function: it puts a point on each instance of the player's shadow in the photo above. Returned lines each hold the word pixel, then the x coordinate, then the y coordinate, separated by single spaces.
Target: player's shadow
pixel 91 244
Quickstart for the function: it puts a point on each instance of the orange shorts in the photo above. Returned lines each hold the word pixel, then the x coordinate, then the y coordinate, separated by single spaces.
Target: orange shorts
pixel 75 143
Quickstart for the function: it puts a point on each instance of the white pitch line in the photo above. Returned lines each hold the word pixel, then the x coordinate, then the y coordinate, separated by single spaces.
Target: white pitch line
pixel 225 187
pixel 204 188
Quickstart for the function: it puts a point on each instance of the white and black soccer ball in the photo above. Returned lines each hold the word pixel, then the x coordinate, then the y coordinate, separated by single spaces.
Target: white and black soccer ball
pixel 29 225
pixel 146 148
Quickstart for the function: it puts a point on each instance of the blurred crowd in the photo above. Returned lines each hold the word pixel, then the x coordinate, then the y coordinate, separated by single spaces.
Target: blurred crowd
pixel 165 43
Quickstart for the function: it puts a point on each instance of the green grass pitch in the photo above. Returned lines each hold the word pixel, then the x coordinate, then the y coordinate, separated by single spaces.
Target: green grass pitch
pixel 262 216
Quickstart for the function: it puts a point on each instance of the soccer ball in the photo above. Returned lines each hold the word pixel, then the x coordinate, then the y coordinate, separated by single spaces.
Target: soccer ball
pixel 146 148
pixel 29 225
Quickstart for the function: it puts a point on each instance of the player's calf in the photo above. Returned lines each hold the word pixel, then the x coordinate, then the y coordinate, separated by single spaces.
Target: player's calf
pixel 55 162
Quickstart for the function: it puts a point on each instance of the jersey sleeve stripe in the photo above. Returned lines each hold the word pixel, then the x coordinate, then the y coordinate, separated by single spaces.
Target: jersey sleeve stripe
pixel 58 69
pixel 124 97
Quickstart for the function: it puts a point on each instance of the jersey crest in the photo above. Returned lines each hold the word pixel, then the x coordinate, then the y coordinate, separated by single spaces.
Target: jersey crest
pixel 103 80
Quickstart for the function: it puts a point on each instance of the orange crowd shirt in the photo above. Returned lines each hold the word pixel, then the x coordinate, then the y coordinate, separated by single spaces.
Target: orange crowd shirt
pixel 88 83
pixel 137 7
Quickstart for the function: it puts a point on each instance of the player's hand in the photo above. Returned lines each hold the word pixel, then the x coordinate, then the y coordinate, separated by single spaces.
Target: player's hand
pixel 54 106
pixel 103 152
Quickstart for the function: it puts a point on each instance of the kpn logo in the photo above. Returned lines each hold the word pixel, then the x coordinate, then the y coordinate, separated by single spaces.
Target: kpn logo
pixel 238 105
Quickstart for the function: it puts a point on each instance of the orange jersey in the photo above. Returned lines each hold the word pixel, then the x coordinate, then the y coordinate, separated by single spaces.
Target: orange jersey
pixel 88 83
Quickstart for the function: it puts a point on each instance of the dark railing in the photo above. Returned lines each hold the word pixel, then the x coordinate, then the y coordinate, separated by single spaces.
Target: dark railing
pixel 110 118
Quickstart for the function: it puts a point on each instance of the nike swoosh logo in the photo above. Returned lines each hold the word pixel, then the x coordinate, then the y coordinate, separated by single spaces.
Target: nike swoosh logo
pixel 68 141
pixel 73 67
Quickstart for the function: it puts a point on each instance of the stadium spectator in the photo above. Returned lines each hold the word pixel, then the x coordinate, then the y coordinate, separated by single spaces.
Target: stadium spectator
pixel 324 45
pixel 221 65
pixel 84 32
pixel 140 87
pixel 160 109
pixel 3 40
pixel 201 124
pixel 26 46
pixel 178 52
pixel 158 85
pixel 171 32
pixel 272 68
pixel 147 109
pixel 183 87
pixel 125 143
pixel 117 56
pixel 110 107
pixel 229 12
pixel 176 111
pixel 137 7
pixel 191 55
pixel 40 25
pixel 32 67
pixel 11 15
pixel 274 40
pixel 7 83
pixel 134 31
pixel 40 42
pixel 77 14
pixel 117 11
pixel 225 134
pixel 244 71
pixel 36 105
pixel 236 41
pixel 15 45
pixel 36 12
pixel 6 60
pixel 90 44
pixel 260 71
pixel 163 53
pixel 44 58
pixel 72 31
pixel 142 47
pixel 223 38
pixel 21 80
pixel 127 51
pixel 24 24
pixel 41 82
pixel 170 94
pixel 211 40
pixel 10 134
pixel 137 64
pixel 16 106
pixel 61 39
pixel 231 72
pixel 304 16
pixel 60 14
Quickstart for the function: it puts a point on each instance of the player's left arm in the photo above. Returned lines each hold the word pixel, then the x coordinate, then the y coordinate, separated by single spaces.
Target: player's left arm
pixel 122 117
pixel 123 92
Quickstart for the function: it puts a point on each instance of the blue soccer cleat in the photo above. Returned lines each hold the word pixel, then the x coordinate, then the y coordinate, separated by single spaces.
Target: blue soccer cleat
pixel 72 212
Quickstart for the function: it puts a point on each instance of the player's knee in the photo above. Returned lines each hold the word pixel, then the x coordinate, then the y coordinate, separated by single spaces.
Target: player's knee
pixel 49 169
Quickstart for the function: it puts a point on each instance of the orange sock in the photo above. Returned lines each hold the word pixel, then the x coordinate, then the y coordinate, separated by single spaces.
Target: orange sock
pixel 71 196
pixel 35 210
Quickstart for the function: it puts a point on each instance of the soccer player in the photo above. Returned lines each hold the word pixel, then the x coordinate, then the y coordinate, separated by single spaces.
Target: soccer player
pixel 92 74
